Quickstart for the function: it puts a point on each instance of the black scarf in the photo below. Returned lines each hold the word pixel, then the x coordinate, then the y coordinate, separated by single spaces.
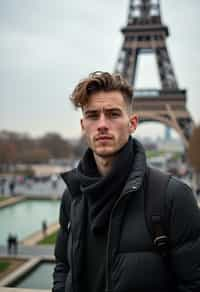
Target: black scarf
pixel 102 191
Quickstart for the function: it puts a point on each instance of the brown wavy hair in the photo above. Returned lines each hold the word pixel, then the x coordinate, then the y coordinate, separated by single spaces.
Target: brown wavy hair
pixel 100 81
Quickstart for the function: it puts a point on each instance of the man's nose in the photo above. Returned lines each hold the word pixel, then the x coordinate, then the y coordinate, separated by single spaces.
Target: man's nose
pixel 102 122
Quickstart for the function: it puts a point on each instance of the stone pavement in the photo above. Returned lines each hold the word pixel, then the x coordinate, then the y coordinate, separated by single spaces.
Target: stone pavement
pixel 30 251
pixel 5 289
pixel 11 200
pixel 37 236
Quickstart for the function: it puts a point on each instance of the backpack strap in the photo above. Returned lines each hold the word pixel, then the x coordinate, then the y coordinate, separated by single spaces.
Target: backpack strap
pixel 155 190
pixel 156 186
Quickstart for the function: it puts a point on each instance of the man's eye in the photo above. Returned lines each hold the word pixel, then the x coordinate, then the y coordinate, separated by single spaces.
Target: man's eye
pixel 114 114
pixel 92 116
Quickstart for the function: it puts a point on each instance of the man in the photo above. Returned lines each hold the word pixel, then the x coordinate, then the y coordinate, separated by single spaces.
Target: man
pixel 104 243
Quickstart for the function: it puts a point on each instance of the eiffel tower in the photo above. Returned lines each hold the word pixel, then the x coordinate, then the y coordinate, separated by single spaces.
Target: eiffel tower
pixel 145 33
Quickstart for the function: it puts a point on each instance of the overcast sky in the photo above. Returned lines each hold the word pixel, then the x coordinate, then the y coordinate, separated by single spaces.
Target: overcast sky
pixel 47 46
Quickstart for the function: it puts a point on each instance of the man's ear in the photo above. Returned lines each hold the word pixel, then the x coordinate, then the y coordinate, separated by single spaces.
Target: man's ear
pixel 82 125
pixel 133 122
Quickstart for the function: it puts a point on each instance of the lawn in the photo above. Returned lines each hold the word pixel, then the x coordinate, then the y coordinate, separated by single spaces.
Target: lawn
pixel 2 198
pixel 4 266
pixel 8 265
pixel 49 239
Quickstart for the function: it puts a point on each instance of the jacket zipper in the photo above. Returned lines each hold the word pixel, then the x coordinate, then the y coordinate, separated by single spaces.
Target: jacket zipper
pixel 107 268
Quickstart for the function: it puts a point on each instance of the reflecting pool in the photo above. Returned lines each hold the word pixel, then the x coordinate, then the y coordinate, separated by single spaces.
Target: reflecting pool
pixel 25 218
pixel 39 278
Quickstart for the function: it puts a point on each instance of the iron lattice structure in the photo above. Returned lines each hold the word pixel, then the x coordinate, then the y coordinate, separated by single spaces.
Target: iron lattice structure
pixel 146 33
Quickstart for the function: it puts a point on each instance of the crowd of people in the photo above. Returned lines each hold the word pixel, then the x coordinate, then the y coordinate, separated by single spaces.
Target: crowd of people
pixel 8 184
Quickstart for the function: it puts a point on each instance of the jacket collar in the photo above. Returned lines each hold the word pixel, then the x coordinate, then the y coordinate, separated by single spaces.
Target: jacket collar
pixel 70 179
pixel 134 181
pixel 136 176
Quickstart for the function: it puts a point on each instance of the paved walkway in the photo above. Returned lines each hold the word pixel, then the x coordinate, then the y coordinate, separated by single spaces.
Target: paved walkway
pixel 11 200
pixel 37 236
pixel 5 289
pixel 30 251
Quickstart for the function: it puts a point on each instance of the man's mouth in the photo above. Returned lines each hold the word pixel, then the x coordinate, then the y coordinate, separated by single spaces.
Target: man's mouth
pixel 103 138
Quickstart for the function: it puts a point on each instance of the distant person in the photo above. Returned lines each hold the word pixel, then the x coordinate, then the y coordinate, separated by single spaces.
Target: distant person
pixel 44 227
pixel 124 226
pixel 15 244
pixel 54 181
pixel 12 244
pixel 9 243
pixel 12 186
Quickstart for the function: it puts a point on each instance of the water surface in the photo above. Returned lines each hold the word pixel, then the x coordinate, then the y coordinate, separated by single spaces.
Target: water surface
pixel 25 218
pixel 39 278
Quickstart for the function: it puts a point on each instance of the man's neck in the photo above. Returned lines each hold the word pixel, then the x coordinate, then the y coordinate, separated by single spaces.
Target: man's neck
pixel 104 164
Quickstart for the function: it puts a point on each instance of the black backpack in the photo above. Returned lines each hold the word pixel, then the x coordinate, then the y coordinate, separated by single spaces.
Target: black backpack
pixel 155 191
pixel 156 185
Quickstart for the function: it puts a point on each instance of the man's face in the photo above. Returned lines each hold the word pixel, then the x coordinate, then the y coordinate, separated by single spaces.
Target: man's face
pixel 106 122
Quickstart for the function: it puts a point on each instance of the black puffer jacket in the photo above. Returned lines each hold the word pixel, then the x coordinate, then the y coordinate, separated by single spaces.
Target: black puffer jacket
pixel 132 264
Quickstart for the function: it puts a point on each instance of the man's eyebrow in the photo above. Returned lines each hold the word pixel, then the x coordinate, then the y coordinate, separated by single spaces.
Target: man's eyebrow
pixel 88 111
pixel 112 109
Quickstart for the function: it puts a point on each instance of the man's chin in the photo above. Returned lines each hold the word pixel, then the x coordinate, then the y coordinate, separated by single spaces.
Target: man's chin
pixel 105 151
